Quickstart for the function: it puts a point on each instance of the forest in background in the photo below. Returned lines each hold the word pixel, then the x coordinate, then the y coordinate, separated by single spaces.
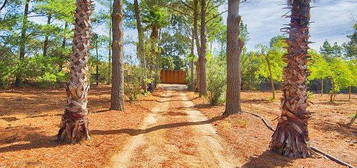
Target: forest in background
pixel 36 40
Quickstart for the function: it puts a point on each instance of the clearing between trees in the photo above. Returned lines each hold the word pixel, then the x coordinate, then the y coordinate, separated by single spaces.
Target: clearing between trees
pixel 170 128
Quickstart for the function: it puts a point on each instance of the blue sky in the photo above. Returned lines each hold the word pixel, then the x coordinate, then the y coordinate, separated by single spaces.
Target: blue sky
pixel 332 20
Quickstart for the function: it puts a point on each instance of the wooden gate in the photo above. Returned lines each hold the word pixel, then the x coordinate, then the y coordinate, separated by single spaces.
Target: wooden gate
pixel 171 77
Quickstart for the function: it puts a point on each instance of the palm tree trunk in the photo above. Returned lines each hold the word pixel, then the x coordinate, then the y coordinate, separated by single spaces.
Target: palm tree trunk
pixel 234 49
pixel 23 41
pixel 291 135
pixel 74 124
pixel 203 50
pixel 117 97
pixel 45 43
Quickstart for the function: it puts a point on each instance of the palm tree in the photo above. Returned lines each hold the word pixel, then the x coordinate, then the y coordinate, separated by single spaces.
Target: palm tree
pixel 74 124
pixel 291 135
pixel 234 49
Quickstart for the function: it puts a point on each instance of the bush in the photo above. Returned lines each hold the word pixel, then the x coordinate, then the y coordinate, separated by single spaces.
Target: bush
pixel 216 72
pixel 133 82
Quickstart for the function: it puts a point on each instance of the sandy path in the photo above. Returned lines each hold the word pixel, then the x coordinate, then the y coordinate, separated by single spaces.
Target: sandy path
pixel 122 160
pixel 173 135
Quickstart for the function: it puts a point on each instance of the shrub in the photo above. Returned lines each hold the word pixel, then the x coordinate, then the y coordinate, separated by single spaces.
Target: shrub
pixel 216 81
pixel 133 82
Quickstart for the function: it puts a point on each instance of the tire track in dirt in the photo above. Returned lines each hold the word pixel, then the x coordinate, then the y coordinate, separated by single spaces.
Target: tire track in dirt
pixel 174 136
pixel 167 143
pixel 122 160
pixel 210 145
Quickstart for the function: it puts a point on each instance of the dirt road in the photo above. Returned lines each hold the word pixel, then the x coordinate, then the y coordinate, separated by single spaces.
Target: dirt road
pixel 175 135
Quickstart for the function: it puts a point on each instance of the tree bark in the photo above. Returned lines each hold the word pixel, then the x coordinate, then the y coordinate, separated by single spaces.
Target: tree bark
pixel 74 124
pixel 97 61
pixel 45 43
pixel 64 42
pixel 322 87
pixel 193 64
pixel 139 27
pixel 154 66
pixel 110 47
pixel 271 77
pixel 291 135
pixel 203 49
pixel 198 47
pixel 22 46
pixel 333 92
pixel 140 46
pixel 117 97
pixel 234 49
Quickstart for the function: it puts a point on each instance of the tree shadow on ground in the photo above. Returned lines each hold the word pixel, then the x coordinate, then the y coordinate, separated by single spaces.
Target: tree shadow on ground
pixel 33 138
pixel 256 101
pixel 134 132
pixel 202 106
pixel 268 159
pixel 339 128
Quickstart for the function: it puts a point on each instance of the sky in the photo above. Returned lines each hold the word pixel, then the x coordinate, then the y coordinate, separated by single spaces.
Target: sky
pixel 332 20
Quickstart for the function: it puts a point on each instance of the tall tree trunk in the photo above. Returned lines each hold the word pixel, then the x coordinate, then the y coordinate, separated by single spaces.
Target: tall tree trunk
pixel 110 56
pixel 197 87
pixel 117 97
pixel 198 47
pixel 110 46
pixel 322 87
pixel 45 43
pixel 193 63
pixel 64 42
pixel 203 49
pixel 271 77
pixel 154 36
pixel 74 124
pixel 97 61
pixel 140 46
pixel 291 135
pixel 234 49
pixel 22 46
pixel 139 27
pixel 333 92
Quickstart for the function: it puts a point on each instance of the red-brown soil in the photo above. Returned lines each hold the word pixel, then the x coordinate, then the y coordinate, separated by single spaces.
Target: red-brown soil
pixel 250 138
pixel 29 121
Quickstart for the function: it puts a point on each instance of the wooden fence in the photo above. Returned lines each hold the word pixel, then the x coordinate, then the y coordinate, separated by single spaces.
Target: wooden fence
pixel 173 77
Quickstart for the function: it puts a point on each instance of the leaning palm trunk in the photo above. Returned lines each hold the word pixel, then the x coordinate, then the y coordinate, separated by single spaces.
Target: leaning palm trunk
pixel 74 124
pixel 291 135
